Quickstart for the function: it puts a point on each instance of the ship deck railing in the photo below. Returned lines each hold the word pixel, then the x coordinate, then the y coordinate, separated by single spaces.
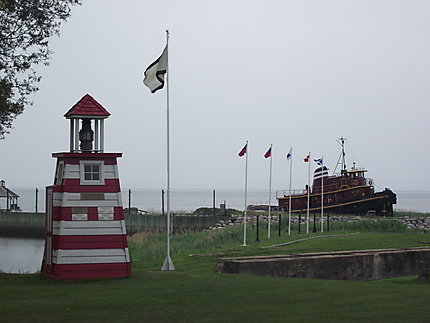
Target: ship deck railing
pixel 327 188
pixel 286 193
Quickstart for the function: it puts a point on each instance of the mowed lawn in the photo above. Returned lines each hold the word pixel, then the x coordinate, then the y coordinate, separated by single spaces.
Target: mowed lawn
pixel 196 292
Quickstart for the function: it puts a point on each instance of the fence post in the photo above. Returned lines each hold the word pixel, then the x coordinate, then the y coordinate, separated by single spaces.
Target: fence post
pixel 300 220
pixel 258 230
pixel 37 195
pixel 280 221
pixel 315 224
pixel 129 201
pixel 162 202
pixel 213 204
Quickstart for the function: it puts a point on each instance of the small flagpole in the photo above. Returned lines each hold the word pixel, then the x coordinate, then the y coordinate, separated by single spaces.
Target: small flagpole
pixel 289 203
pixel 309 188
pixel 246 194
pixel 322 194
pixel 168 264
pixel 270 191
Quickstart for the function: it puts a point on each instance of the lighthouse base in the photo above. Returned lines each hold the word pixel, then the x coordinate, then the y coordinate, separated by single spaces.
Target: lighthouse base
pixel 85 271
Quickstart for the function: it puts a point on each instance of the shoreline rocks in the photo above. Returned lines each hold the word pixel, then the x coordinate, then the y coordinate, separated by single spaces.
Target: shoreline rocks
pixel 411 222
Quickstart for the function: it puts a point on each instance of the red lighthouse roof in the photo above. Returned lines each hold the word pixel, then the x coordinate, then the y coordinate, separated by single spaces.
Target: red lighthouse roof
pixel 87 107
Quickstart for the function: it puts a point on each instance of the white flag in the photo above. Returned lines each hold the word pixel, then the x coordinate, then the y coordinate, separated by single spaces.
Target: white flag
pixel 154 74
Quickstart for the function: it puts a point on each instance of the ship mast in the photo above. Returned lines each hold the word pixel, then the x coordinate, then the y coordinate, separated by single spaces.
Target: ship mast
pixel 341 160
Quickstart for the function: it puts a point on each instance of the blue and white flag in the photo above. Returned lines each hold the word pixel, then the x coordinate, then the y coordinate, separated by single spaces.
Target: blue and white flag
pixel 290 154
pixel 319 161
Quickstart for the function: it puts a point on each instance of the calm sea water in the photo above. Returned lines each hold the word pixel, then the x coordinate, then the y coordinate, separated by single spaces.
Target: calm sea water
pixel 18 255
pixel 189 200
pixel 25 255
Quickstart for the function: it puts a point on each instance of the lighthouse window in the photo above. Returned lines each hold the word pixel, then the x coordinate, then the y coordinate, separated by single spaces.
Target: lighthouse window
pixel 60 173
pixel 91 173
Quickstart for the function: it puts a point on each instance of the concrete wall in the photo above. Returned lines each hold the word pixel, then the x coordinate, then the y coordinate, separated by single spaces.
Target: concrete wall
pixel 27 224
pixel 346 265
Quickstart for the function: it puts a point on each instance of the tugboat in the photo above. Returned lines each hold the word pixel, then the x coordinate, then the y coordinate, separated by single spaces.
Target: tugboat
pixel 348 192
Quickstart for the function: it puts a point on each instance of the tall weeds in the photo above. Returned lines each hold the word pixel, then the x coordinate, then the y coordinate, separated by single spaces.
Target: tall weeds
pixel 148 247
pixel 380 225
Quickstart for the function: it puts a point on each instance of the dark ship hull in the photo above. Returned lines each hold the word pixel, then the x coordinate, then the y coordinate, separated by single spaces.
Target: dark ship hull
pixel 349 192
pixel 380 203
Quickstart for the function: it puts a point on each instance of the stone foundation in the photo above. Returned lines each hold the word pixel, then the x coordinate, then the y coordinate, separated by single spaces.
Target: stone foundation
pixel 343 265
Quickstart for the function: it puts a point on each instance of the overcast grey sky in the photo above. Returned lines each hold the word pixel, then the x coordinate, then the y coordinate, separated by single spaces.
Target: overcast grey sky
pixel 294 74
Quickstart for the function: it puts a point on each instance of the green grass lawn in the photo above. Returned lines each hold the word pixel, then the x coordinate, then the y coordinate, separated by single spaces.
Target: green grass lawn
pixel 195 292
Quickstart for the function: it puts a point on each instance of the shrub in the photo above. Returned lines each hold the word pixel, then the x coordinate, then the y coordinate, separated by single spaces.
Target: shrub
pixel 374 225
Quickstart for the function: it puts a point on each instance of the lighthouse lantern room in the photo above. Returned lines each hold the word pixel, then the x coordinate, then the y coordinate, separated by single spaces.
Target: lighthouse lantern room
pixel 85 235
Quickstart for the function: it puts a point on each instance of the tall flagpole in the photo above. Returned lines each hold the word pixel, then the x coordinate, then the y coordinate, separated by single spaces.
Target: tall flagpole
pixel 322 194
pixel 270 192
pixel 168 264
pixel 289 203
pixel 309 188
pixel 246 194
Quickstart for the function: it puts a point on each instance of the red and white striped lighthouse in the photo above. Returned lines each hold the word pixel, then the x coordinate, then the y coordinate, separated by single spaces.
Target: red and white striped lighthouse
pixel 85 230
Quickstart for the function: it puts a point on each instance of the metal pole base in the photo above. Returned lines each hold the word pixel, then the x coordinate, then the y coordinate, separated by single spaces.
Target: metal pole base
pixel 168 264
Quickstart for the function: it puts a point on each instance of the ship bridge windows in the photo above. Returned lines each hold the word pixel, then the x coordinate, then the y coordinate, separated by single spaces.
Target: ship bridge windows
pixel 353 175
pixel 359 174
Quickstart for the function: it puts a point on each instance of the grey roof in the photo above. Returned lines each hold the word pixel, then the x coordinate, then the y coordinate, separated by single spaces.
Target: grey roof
pixel 4 193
